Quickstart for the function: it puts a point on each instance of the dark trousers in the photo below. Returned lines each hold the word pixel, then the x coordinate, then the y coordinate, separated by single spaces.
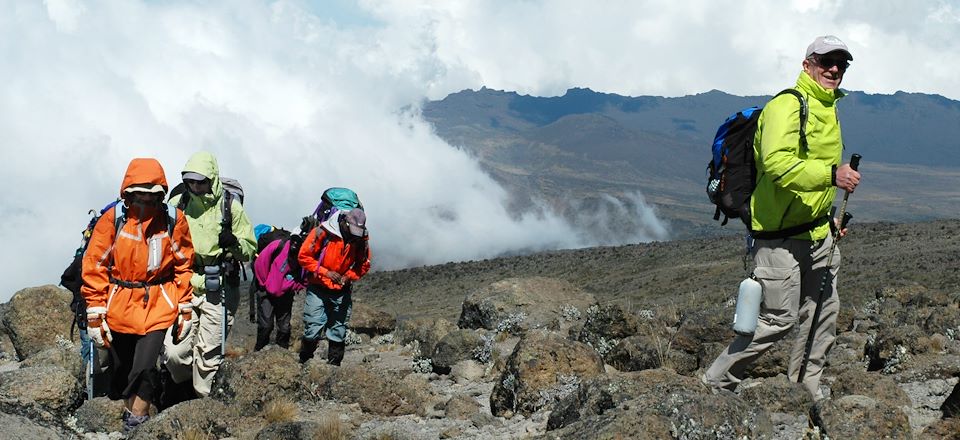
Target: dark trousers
pixel 134 365
pixel 273 309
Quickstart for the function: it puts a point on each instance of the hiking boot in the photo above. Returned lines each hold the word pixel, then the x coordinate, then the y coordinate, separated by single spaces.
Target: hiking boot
pixel 263 339
pixel 307 347
pixel 283 339
pixel 131 422
pixel 335 352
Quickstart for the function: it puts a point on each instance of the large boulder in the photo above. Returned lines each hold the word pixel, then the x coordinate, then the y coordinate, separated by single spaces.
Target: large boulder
pixel 860 417
pixel 682 414
pixel 709 325
pixel 645 352
pixel 295 431
pixel 198 418
pixel 250 382
pixel 371 321
pixel 38 318
pixel 426 331
pixel 893 347
pixel 20 427
pixel 100 415
pixel 544 367
pixel 44 393
pixel 378 394
pixel 516 305
pixel 777 395
pixel 604 393
pixel 456 346
pixel 605 325
pixel 66 356
pixel 853 381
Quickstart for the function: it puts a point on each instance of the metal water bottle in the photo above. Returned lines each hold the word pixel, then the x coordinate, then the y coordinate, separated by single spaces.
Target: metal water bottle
pixel 748 307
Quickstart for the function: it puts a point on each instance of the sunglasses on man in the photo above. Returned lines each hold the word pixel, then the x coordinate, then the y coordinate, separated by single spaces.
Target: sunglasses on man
pixel 828 62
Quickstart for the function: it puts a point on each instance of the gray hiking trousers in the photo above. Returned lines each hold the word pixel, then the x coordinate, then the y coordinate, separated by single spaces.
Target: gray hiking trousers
pixel 791 272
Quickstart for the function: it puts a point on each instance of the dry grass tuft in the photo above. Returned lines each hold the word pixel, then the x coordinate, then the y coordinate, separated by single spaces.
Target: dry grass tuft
pixel 282 409
pixel 193 434
pixel 331 428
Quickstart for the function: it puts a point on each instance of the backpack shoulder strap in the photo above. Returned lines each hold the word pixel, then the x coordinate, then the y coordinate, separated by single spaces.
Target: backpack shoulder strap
pixel 119 218
pixel 226 208
pixel 804 112
pixel 171 219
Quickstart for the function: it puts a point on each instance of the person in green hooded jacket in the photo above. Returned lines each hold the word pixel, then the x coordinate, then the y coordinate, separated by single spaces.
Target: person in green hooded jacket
pixel 219 251
pixel 796 187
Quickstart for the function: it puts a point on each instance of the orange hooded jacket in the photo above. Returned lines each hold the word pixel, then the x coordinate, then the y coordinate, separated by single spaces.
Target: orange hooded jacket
pixel 123 256
pixel 348 259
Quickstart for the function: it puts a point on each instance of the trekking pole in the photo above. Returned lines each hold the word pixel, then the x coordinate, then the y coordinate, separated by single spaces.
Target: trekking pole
pixel 90 358
pixel 845 217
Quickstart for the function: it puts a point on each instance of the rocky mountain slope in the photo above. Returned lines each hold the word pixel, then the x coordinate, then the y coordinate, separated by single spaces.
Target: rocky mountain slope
pixel 592 343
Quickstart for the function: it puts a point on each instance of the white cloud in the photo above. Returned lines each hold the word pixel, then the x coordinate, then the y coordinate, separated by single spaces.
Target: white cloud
pixel 286 93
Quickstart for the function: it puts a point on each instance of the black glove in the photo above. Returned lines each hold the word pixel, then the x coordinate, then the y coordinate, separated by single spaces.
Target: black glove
pixel 227 239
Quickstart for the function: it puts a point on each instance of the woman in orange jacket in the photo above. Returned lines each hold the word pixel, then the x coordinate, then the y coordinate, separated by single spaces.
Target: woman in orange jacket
pixel 333 256
pixel 136 281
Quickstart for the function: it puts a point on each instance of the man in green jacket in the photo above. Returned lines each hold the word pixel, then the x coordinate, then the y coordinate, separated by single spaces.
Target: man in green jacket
pixel 796 187
pixel 219 251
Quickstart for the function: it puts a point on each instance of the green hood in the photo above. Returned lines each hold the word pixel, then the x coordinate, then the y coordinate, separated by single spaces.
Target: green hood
pixel 205 164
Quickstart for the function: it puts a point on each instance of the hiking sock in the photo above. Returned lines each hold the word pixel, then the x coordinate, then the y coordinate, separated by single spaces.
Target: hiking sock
pixel 307 347
pixel 335 352
pixel 132 421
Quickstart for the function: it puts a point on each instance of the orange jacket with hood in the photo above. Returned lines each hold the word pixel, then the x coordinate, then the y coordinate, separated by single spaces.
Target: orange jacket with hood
pixel 123 256
pixel 350 259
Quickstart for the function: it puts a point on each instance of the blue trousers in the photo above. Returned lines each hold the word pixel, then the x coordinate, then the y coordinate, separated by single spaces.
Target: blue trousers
pixel 327 310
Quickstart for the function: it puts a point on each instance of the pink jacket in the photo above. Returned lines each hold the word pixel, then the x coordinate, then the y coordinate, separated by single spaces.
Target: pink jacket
pixel 273 271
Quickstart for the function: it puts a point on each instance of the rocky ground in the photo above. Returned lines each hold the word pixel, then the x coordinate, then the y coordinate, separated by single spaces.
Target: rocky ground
pixel 526 357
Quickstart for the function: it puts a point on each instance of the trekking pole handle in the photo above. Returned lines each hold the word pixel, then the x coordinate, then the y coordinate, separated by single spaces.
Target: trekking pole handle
pixel 855 161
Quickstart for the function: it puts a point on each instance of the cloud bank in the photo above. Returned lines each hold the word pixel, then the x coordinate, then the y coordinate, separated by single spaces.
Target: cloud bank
pixel 293 97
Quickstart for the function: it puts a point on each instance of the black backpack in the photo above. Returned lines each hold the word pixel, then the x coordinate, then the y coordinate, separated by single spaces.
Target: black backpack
pixel 732 171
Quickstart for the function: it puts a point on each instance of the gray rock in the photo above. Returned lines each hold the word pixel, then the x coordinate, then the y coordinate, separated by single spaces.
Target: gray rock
pixel 891 350
pixel 370 321
pixel 777 395
pixel 251 381
pixel 517 305
pixel 645 352
pixel 66 357
pixel 860 417
pixel 871 384
pixel 709 325
pixel 604 393
pixel 294 431
pixel 605 325
pixel 544 367
pixel 461 407
pixel 20 427
pixel 37 318
pixel 679 415
pixel 424 330
pixel 198 418
pixel 456 346
pixel 42 393
pixel 100 415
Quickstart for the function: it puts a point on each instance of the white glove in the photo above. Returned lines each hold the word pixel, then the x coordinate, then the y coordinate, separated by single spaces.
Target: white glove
pixel 97 327
pixel 184 323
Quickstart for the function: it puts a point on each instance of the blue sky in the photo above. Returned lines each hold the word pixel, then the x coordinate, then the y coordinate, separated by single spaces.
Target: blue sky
pixel 296 96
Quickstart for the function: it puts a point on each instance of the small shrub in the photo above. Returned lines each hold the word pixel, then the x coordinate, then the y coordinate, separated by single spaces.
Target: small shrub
pixel 331 428
pixel 281 410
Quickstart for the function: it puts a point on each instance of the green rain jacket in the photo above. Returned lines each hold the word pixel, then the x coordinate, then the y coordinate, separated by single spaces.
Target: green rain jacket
pixel 204 215
pixel 794 186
